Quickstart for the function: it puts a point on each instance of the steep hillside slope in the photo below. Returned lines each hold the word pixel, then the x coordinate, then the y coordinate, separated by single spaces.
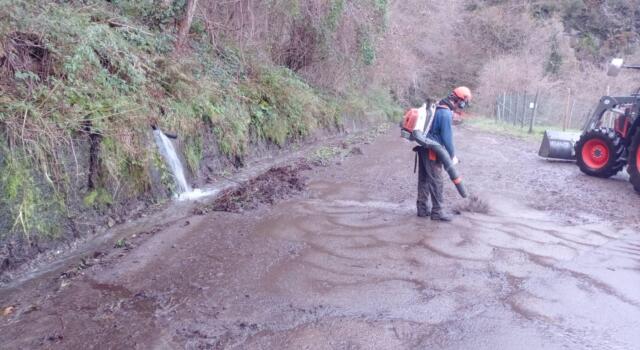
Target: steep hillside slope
pixel 82 83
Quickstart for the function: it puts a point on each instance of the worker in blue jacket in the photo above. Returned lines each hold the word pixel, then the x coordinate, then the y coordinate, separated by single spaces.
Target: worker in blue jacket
pixel 430 180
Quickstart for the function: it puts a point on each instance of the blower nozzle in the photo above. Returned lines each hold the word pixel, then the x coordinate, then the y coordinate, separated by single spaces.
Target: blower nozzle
pixel 443 156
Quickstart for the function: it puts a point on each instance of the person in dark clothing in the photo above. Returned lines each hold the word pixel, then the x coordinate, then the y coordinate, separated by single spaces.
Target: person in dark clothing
pixel 430 180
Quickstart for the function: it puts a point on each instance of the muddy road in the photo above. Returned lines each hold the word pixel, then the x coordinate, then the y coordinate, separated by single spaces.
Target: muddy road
pixel 346 264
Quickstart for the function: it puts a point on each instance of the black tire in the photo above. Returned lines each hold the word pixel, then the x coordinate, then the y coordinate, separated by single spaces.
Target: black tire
pixel 600 152
pixel 634 162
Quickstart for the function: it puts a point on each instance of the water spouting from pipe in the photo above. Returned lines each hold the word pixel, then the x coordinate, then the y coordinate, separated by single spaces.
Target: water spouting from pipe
pixel 171 157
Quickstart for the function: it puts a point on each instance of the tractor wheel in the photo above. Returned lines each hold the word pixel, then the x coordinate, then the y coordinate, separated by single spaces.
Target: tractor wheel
pixel 600 152
pixel 634 162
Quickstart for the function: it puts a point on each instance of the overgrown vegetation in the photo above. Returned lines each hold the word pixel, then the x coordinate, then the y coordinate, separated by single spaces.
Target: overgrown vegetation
pixel 83 81
pixel 26 207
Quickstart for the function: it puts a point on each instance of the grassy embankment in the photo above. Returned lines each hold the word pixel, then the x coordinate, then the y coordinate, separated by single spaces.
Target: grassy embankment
pixel 491 125
pixel 82 81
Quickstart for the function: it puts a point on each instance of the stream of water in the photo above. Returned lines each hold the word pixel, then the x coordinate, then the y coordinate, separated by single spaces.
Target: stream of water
pixel 183 190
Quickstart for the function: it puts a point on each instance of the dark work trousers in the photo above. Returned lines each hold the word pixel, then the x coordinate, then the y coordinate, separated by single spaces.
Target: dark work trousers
pixel 430 184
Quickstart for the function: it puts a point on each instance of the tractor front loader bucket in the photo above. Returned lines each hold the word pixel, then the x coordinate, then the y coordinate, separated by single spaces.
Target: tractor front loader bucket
pixel 558 145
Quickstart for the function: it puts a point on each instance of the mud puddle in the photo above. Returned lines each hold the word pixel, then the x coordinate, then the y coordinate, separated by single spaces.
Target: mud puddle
pixel 514 279
pixel 348 265
pixel 502 275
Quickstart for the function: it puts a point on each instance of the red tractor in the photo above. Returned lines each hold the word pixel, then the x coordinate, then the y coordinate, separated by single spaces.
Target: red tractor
pixel 610 138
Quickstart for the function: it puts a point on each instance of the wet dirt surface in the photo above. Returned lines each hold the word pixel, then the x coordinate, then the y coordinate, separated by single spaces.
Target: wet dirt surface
pixel 277 183
pixel 554 264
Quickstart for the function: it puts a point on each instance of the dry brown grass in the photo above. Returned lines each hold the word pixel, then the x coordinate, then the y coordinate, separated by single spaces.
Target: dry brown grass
pixel 24 52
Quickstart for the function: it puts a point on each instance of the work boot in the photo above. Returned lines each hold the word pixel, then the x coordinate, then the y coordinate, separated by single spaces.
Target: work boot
pixel 423 210
pixel 441 217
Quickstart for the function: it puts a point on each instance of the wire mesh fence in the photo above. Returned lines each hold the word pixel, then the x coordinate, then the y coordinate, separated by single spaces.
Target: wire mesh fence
pixel 526 109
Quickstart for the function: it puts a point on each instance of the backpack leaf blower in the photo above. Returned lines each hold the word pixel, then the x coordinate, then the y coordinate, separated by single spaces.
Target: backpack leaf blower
pixel 413 129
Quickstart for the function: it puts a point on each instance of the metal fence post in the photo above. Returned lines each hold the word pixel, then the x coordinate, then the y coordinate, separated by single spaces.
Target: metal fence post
pixel 509 109
pixel 504 105
pixel 573 105
pixel 524 109
pixel 515 108
pixel 533 113
pixel 566 110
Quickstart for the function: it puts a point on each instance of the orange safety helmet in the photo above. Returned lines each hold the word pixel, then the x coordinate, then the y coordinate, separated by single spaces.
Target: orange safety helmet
pixel 463 93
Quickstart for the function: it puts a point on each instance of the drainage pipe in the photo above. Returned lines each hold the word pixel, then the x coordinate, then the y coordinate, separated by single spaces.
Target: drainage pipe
pixel 167 134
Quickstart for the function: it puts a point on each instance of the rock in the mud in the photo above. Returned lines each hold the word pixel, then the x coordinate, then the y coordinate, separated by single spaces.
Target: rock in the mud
pixel 31 308
pixel 111 222
pixel 356 151
pixel 199 211
pixel 8 310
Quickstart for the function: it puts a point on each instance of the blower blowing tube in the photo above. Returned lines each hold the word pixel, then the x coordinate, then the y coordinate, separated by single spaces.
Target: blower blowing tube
pixel 443 156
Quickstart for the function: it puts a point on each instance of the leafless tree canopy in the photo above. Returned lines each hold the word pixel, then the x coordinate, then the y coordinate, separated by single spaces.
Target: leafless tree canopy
pixel 425 47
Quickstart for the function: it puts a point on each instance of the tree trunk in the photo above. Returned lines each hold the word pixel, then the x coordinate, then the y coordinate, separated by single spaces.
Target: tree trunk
pixel 94 154
pixel 210 29
pixel 94 160
pixel 185 23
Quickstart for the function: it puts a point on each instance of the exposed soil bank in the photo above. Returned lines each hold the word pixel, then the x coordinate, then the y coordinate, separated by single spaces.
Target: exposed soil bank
pixel 554 264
